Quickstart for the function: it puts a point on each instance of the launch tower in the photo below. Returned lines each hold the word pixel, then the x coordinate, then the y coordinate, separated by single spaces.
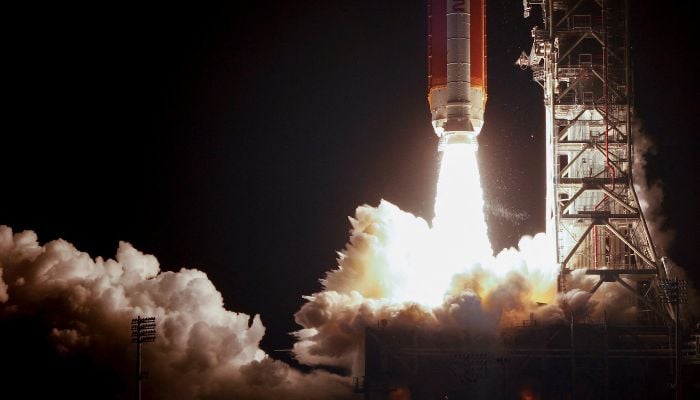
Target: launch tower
pixel 580 57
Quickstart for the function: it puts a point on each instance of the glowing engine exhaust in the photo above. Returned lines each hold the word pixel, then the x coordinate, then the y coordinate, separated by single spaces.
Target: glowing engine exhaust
pixel 457 97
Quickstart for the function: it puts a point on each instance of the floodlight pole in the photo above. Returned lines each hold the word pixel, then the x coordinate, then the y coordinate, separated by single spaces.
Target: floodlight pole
pixel 143 330
pixel 674 292
pixel 676 310
pixel 138 369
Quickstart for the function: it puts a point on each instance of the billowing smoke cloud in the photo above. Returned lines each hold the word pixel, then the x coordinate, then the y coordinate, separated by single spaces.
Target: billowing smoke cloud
pixel 650 193
pixel 203 351
pixel 650 196
pixel 385 256
pixel 611 301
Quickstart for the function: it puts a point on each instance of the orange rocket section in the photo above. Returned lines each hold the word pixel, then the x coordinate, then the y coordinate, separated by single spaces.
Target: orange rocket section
pixel 477 49
pixel 437 45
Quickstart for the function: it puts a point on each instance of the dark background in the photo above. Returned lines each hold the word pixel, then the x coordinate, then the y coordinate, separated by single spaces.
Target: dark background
pixel 237 139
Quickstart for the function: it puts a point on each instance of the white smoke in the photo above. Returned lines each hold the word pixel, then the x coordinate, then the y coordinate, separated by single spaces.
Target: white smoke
pixel 390 251
pixel 203 351
pixel 388 255
pixel 611 301
pixel 650 194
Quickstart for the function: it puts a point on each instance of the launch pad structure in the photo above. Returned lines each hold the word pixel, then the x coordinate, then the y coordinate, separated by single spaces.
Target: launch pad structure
pixel 577 360
pixel 581 58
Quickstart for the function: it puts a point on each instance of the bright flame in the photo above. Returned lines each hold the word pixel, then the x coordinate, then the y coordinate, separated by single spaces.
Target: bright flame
pixel 425 262
pixel 398 268
pixel 457 239
pixel 459 222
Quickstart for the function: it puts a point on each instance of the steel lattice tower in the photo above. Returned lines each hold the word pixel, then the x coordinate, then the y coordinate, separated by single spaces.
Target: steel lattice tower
pixel 580 57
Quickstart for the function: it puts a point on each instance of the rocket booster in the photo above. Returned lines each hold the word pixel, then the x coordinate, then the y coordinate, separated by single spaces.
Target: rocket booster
pixel 457 69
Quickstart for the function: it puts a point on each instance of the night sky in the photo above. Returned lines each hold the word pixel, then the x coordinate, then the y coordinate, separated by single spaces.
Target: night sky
pixel 237 139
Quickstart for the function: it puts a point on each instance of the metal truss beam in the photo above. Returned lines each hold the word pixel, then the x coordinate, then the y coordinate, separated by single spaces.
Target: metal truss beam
pixel 568 13
pixel 618 200
pixel 611 194
pixel 622 179
pixel 572 199
pixel 577 245
pixel 568 89
pixel 597 285
pixel 573 160
pixel 597 75
pixel 646 301
pixel 630 244
pixel 607 49
pixel 613 123
pixel 600 216
pixel 564 131
pixel 573 46
pixel 614 162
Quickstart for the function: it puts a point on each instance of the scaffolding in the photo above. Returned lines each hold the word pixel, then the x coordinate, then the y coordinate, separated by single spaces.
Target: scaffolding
pixel 580 57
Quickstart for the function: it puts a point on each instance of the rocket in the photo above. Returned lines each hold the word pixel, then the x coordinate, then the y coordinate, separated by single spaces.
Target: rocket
pixel 457 69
